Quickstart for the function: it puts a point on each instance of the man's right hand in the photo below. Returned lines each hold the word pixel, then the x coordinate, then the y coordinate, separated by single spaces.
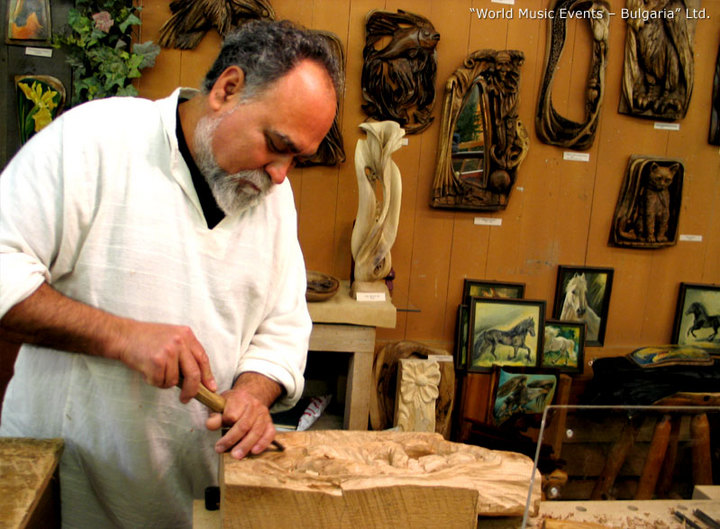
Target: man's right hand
pixel 160 352
pixel 163 353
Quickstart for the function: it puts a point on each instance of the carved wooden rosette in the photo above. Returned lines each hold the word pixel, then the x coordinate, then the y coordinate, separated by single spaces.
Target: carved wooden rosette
pixel 376 221
pixel 659 69
pixel 191 20
pixel 331 150
pixel 551 127
pixel 646 217
pixel 398 77
pixel 417 391
pixel 502 141
pixel 714 135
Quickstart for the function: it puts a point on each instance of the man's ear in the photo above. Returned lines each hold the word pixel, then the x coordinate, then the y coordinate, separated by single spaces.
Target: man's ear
pixel 227 88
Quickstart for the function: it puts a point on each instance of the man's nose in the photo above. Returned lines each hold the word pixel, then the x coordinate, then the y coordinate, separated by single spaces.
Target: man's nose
pixel 279 169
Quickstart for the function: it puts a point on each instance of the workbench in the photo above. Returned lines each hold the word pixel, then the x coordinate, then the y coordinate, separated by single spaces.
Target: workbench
pixel 29 493
pixel 343 325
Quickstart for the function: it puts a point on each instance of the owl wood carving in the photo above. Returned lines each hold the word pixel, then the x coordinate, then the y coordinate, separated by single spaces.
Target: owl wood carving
pixel 191 19
pixel 659 70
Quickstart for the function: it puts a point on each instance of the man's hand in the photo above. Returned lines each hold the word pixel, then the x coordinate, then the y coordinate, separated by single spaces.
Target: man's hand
pixel 160 352
pixel 247 411
pixel 165 353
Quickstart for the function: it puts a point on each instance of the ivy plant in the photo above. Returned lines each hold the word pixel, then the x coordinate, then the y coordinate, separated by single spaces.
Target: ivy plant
pixel 100 48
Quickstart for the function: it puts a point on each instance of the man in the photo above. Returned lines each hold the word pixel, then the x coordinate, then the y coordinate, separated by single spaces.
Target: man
pixel 145 244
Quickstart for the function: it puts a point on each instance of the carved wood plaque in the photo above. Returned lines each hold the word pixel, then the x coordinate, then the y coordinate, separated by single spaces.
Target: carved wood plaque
pixel 482 141
pixel 659 70
pixel 551 127
pixel 400 63
pixel 647 211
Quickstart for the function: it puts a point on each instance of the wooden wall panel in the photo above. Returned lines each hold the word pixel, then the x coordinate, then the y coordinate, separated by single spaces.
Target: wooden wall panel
pixel 560 211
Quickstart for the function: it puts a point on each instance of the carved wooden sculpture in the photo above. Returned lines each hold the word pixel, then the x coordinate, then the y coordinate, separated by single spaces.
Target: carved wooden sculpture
pixel 551 127
pixel 350 479
pixel 714 135
pixel 417 392
pixel 659 71
pixel 482 141
pixel 376 222
pixel 191 19
pixel 398 77
pixel 647 211
pixel 331 150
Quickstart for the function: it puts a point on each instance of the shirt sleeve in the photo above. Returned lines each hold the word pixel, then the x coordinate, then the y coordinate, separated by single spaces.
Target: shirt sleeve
pixel 279 347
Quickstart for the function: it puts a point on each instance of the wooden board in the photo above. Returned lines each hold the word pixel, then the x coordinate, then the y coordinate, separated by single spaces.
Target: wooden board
pixel 340 479
pixel 26 469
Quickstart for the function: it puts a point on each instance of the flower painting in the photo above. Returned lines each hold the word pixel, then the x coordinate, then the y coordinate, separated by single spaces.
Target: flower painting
pixel 40 99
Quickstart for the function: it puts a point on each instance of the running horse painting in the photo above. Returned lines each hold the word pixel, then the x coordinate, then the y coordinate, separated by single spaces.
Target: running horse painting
pixel 515 338
pixel 702 320
pixel 576 308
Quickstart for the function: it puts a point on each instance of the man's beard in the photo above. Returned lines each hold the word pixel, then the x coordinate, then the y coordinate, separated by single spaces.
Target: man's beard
pixel 236 192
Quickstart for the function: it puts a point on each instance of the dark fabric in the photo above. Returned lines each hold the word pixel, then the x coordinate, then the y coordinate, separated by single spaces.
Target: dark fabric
pixel 212 212
pixel 618 380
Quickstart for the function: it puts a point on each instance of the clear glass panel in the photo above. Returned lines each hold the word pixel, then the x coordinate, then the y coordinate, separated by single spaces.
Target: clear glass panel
pixel 632 454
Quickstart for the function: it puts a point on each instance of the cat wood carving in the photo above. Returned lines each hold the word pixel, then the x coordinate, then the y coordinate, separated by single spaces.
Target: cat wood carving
pixel 647 211
pixel 659 71
pixel 400 63
pixel 551 127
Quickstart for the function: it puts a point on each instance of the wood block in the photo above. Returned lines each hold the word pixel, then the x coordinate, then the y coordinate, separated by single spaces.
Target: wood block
pixel 348 479
pixel 342 308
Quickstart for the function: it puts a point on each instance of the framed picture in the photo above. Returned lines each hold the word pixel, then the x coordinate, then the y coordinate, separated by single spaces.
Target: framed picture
pixel 492 289
pixel 563 346
pixel 461 337
pixel 522 393
pixel 504 332
pixel 583 294
pixel 697 316
pixel 28 22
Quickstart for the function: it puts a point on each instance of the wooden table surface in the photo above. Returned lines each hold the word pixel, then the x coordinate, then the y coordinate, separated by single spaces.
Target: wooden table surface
pixel 26 469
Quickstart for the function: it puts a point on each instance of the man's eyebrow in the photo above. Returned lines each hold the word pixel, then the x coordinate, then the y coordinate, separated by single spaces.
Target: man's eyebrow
pixel 288 144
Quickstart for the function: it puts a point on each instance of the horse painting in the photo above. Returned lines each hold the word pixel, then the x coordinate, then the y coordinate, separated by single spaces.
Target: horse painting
pixel 515 338
pixel 702 320
pixel 576 308
pixel 558 348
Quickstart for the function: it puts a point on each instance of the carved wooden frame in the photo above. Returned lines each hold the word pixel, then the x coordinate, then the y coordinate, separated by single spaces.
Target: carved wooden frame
pixel 497 74
pixel 551 127
pixel 714 134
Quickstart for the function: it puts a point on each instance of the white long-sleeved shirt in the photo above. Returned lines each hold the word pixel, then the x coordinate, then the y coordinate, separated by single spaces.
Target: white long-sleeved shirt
pixel 101 205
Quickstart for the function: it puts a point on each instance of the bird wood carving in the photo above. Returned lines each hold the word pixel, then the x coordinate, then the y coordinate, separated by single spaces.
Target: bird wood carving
pixel 192 19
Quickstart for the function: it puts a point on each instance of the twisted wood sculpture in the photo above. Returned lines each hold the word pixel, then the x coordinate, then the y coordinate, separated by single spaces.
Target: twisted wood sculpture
pixel 376 222
pixel 398 78
pixel 192 19
pixel 552 128
pixel 659 72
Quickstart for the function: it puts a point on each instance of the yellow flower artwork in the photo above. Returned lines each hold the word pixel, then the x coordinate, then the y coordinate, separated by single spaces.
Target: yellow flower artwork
pixel 40 100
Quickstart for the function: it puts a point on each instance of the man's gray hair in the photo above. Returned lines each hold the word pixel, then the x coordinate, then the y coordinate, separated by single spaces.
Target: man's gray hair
pixel 267 50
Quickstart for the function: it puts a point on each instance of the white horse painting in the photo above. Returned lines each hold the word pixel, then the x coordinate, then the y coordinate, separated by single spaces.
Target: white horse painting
pixel 576 308
pixel 563 348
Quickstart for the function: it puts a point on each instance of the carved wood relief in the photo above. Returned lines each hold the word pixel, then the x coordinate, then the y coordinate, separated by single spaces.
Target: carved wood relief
pixel 714 136
pixel 191 19
pixel 331 150
pixel 482 141
pixel 659 70
pixel 648 208
pixel 399 68
pixel 417 392
pixel 551 127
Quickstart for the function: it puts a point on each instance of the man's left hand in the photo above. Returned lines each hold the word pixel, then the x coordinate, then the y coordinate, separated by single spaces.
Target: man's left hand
pixel 247 412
